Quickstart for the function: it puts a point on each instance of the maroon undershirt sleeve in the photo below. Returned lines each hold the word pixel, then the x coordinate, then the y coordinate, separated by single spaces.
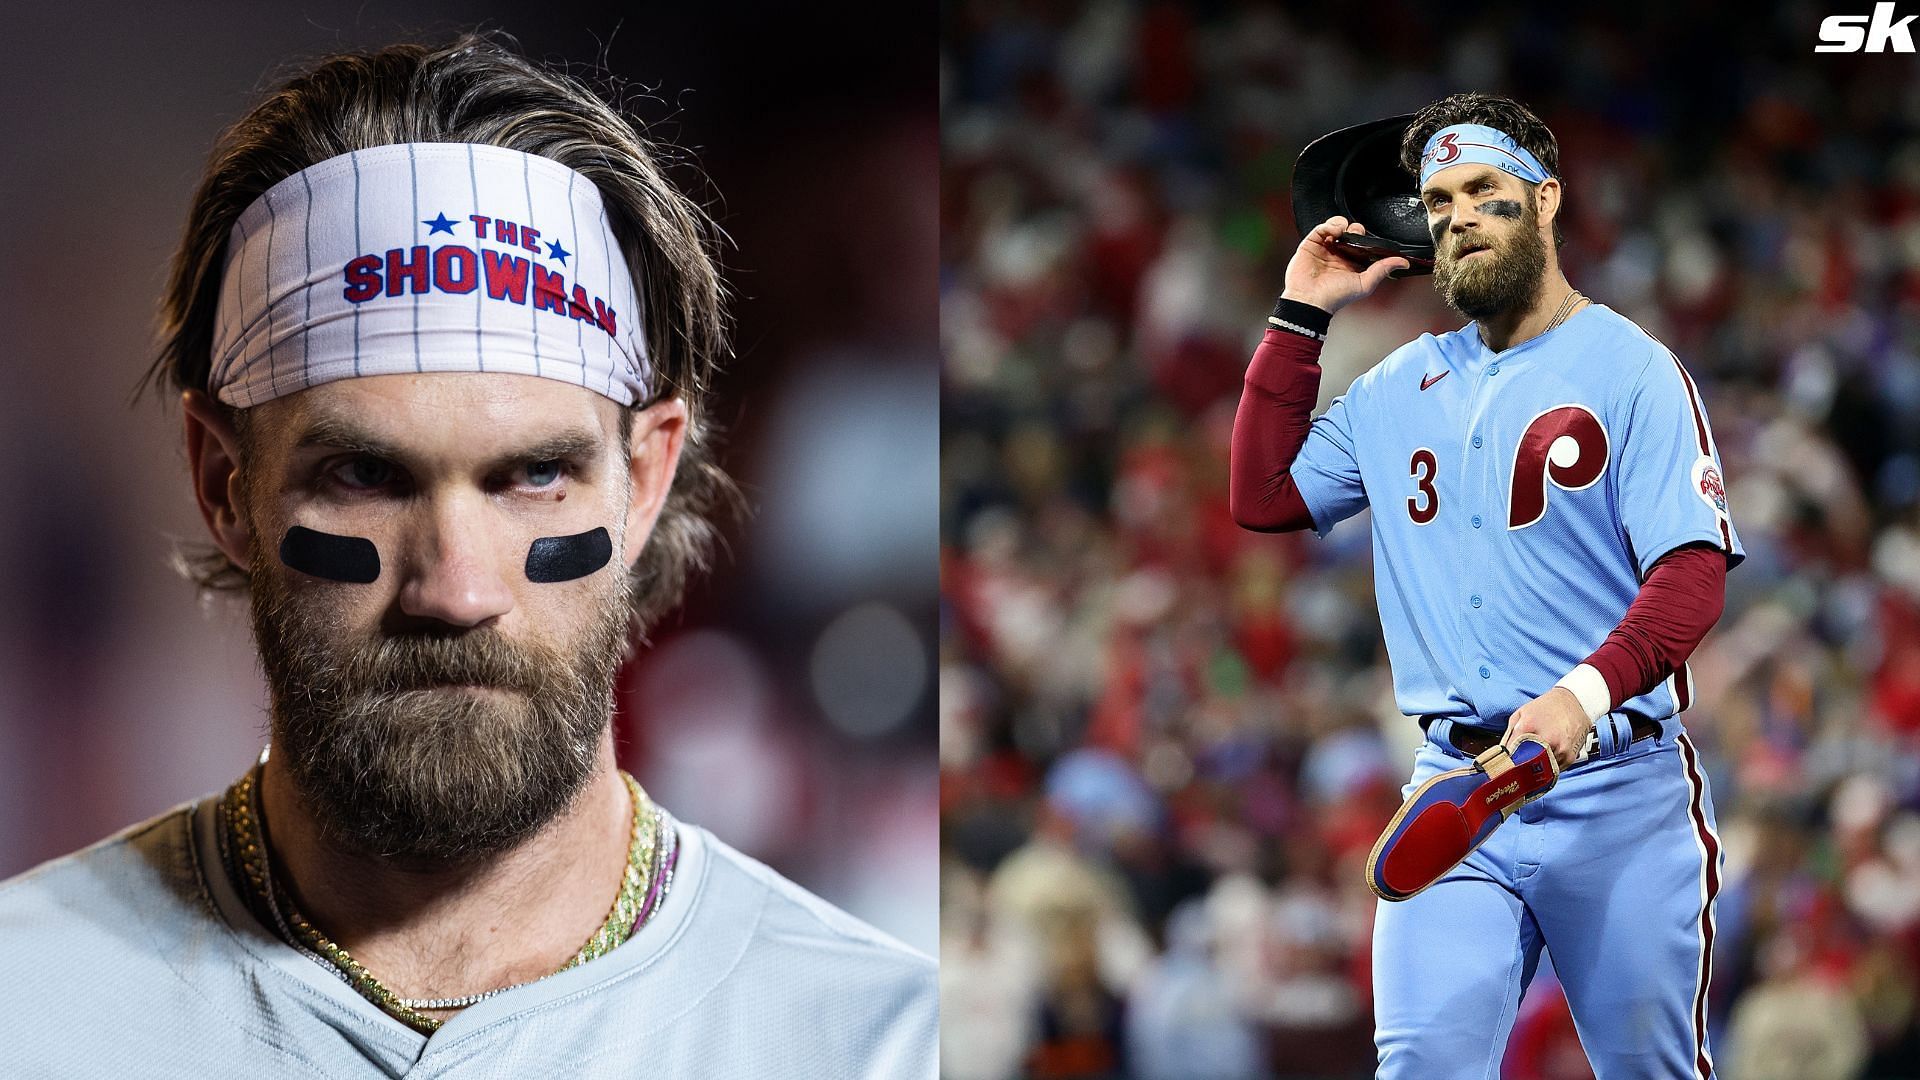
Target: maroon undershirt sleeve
pixel 1679 602
pixel 1276 409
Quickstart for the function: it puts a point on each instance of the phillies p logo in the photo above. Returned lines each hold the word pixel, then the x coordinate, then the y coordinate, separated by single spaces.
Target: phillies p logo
pixel 1566 446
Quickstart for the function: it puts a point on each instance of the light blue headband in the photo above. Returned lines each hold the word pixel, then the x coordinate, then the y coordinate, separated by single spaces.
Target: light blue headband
pixel 1476 144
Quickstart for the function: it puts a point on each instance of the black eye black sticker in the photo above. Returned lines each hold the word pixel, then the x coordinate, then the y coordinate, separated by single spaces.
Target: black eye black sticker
pixel 563 558
pixel 351 559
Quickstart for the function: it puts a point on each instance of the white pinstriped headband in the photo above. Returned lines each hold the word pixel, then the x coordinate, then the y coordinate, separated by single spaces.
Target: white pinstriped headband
pixel 422 257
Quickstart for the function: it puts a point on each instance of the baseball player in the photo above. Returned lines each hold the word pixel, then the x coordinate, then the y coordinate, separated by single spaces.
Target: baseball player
pixel 1551 538
pixel 440 328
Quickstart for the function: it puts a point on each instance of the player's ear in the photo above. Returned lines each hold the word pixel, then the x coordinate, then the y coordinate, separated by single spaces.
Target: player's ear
pixel 1546 196
pixel 659 432
pixel 213 459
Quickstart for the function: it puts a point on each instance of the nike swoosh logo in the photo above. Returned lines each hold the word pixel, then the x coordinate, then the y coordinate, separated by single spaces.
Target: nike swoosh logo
pixel 1431 379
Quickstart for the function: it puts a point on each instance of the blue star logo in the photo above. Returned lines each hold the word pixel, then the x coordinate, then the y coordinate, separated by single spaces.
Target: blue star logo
pixel 440 224
pixel 555 250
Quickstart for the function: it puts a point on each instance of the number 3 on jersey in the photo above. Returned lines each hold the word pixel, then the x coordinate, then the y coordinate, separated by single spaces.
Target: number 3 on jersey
pixel 1565 446
pixel 1424 505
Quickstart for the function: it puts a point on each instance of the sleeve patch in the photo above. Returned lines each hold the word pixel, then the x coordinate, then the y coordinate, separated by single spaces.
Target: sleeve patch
pixel 1707 485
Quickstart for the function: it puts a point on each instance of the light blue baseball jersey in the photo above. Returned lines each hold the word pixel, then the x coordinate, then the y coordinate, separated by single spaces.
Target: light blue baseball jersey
pixel 1518 499
pixel 137 957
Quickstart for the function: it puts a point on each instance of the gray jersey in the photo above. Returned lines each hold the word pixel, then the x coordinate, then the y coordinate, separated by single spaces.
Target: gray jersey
pixel 137 957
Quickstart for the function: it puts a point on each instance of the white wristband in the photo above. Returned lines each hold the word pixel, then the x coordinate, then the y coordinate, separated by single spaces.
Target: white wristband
pixel 1590 690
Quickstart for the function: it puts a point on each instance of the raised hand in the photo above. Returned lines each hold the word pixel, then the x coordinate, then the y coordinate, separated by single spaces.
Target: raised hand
pixel 1320 276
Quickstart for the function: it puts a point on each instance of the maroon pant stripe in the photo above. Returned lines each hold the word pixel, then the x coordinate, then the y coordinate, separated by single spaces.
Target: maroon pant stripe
pixel 1710 845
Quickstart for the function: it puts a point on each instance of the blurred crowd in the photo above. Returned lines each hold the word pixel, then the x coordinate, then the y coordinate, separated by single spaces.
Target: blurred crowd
pixel 1168 743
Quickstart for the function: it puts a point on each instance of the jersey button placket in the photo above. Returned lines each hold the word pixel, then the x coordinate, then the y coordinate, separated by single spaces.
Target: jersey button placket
pixel 1483 484
pixel 1476 518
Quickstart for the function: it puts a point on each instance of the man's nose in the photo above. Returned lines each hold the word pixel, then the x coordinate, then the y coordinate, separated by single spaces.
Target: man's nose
pixel 456 574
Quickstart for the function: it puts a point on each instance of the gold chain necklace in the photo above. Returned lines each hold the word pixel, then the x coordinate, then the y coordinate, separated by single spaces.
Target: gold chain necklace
pixel 247 850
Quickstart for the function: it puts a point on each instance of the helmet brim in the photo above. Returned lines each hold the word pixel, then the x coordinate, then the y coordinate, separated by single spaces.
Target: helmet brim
pixel 1355 173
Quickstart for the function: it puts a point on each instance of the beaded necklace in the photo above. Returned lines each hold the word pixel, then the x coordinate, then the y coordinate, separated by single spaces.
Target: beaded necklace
pixel 652 851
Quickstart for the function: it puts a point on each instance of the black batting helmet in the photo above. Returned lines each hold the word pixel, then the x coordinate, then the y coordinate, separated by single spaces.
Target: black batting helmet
pixel 1355 173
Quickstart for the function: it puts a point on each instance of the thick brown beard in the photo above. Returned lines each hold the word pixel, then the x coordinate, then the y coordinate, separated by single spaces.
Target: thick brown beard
pixel 394 762
pixel 1508 279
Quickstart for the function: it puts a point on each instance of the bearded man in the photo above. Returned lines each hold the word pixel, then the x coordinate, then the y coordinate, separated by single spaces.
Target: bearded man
pixel 1551 540
pixel 442 332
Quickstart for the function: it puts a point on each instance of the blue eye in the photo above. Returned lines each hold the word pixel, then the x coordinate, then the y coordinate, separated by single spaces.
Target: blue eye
pixel 543 473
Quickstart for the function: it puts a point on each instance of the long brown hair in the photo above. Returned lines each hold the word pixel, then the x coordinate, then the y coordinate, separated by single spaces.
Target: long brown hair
pixel 479 89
